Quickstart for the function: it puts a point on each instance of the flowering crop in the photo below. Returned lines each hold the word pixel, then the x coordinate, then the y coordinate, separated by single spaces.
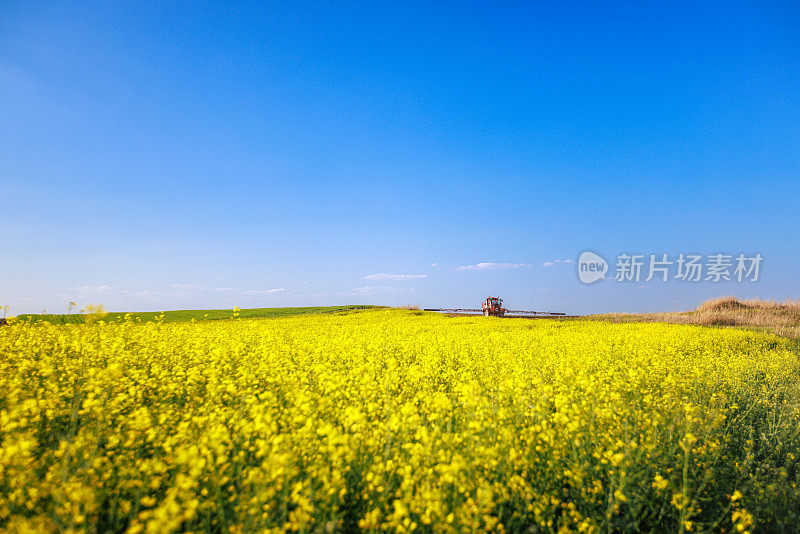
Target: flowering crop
pixel 396 420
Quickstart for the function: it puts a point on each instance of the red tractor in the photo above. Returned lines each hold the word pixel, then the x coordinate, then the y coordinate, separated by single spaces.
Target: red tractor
pixel 493 307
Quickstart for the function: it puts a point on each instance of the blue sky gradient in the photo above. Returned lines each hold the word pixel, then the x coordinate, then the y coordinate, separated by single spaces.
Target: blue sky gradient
pixel 213 155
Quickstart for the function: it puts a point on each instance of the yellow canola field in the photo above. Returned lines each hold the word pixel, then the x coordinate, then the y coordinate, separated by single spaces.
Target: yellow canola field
pixel 392 420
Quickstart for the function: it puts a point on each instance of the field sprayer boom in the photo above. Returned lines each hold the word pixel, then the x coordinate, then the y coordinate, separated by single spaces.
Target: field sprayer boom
pixel 493 307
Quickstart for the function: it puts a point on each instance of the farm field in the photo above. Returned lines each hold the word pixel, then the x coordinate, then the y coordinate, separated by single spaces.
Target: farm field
pixel 781 318
pixel 396 420
pixel 188 315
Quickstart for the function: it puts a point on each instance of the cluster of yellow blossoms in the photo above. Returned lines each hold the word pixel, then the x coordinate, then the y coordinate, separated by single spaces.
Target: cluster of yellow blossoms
pixel 392 420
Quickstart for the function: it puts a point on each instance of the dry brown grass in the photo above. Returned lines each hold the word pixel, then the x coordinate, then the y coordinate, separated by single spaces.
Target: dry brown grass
pixel 782 318
pixel 408 307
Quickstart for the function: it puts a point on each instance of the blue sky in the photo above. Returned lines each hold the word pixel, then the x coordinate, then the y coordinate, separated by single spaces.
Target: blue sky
pixel 160 157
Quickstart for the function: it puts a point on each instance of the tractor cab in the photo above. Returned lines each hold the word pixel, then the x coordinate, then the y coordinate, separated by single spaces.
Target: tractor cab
pixel 493 306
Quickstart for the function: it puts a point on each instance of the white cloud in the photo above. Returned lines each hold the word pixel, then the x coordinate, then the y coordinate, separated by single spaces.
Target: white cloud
pixel 186 286
pixel 96 288
pixel 113 292
pixel 317 294
pixel 177 290
pixel 227 289
pixel 387 276
pixel 551 263
pixel 264 291
pixel 373 289
pixel 491 265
